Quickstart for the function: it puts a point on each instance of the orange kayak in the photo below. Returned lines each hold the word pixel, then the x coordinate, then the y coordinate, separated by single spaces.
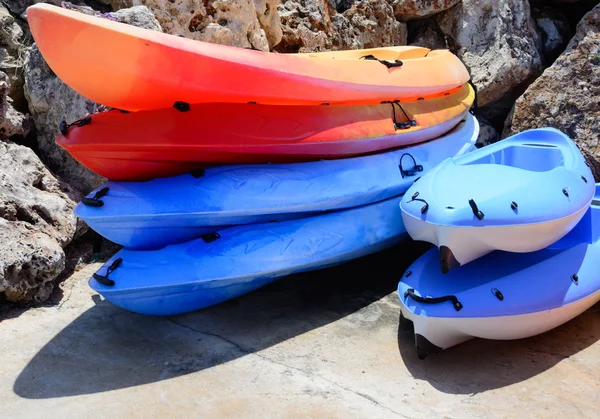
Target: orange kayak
pixel 148 144
pixel 131 68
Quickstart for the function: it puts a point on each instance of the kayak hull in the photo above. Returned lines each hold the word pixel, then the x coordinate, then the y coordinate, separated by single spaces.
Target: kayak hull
pixel 131 68
pixel 444 333
pixel 197 274
pixel 152 214
pixel 518 195
pixel 145 145
pixel 503 295
pixel 468 243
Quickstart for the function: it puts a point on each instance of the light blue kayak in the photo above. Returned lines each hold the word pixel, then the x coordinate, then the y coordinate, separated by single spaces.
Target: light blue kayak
pixel 519 195
pixel 504 295
pixel 203 272
pixel 153 214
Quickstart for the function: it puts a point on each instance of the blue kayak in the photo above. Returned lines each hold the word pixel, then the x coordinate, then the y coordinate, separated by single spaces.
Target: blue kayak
pixel 153 214
pixel 206 271
pixel 504 295
pixel 518 195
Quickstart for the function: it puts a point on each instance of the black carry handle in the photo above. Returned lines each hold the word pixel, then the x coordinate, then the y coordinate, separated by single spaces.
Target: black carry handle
pixel 475 210
pixel 475 104
pixel 388 64
pixel 64 127
pixel 103 279
pixel 431 300
pixel 410 172
pixel 95 200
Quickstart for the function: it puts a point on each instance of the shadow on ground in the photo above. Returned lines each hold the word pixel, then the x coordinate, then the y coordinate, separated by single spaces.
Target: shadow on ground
pixel 107 348
pixel 480 365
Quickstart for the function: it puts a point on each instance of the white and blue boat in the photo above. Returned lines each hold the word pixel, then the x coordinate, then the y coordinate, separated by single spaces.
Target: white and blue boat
pixel 518 195
pixel 503 295
pixel 224 265
pixel 153 214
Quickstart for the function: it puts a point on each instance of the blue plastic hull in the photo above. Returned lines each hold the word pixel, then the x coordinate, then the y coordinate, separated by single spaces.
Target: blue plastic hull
pixel 518 195
pixel 193 275
pixel 505 295
pixel 153 214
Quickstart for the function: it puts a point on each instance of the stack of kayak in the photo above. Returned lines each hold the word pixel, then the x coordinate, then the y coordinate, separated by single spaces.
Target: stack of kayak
pixel 230 168
pixel 517 232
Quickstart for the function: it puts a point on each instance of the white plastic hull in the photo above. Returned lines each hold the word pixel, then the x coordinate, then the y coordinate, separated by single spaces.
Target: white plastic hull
pixel 470 243
pixel 447 332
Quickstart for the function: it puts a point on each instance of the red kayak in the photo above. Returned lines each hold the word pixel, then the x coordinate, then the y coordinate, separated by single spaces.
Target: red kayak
pixel 148 144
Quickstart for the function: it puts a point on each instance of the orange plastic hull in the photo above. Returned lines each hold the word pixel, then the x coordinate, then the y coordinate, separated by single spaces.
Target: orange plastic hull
pixel 130 68
pixel 148 144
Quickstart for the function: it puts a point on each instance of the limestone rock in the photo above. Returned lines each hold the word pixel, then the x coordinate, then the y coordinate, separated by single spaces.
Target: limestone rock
pixel 51 101
pixel 270 22
pixel 13 121
pixel 554 29
pixel 316 25
pixel 497 41
pixel 36 223
pixel 307 26
pixel 566 95
pixel 242 23
pixel 369 24
pixel 139 16
pixel 17 6
pixel 426 33
pixel 487 133
pixel 414 9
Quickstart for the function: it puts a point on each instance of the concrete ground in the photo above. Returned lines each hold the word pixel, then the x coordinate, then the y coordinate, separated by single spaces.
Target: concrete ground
pixel 324 344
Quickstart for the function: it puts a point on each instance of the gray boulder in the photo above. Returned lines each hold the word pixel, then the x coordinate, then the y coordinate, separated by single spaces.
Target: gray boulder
pixel 566 95
pixel 36 223
pixel 319 25
pixel 497 40
pixel 418 9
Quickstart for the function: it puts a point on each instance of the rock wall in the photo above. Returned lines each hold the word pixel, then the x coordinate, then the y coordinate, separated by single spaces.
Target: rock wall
pixel 36 223
pixel 497 40
pixel 316 25
pixel 240 23
pixel 567 95
pixel 415 9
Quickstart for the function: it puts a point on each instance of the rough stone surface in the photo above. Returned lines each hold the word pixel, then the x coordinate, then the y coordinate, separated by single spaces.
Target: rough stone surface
pixel 316 25
pixel 139 16
pixel 307 26
pixel 498 42
pixel 555 31
pixel 369 24
pixel 318 345
pixel 12 50
pixel 36 223
pixel 12 122
pixel 270 22
pixel 50 101
pixel 232 22
pixel 566 95
pixel 413 9
pixel 487 133
pixel 426 33
pixel 17 6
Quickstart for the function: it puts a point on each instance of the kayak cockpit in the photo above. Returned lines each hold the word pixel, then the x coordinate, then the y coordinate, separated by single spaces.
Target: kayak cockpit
pixel 532 157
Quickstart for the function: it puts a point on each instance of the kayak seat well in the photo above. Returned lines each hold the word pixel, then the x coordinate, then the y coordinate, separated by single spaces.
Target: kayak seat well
pixel 532 157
